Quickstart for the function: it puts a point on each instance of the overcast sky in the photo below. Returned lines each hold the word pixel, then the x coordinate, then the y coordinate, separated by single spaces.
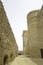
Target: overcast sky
pixel 17 11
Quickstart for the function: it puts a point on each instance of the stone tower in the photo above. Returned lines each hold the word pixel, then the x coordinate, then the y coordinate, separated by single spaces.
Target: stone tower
pixel 35 34
pixel 25 40
pixel 8 46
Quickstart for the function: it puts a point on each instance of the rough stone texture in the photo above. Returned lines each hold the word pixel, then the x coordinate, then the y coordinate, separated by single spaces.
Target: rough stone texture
pixel 25 40
pixel 35 33
pixel 8 46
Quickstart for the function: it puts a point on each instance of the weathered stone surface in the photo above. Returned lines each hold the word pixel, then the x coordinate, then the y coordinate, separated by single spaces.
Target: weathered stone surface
pixel 25 40
pixel 34 44
pixel 8 46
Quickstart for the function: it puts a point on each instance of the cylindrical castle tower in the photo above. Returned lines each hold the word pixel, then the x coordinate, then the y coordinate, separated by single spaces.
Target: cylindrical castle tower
pixel 35 31
pixel 32 21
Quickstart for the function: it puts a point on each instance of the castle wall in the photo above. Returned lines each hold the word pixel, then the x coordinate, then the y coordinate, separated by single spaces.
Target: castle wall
pixel 8 46
pixel 35 31
pixel 25 39
pixel 35 34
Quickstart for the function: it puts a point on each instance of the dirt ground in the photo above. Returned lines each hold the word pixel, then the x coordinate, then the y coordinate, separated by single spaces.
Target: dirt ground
pixel 23 60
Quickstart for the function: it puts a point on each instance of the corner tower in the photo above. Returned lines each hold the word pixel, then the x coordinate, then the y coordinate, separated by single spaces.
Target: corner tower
pixel 34 42
pixel 35 31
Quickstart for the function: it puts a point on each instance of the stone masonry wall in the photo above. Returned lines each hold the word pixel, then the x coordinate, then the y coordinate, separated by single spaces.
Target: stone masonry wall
pixel 35 33
pixel 25 39
pixel 8 46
